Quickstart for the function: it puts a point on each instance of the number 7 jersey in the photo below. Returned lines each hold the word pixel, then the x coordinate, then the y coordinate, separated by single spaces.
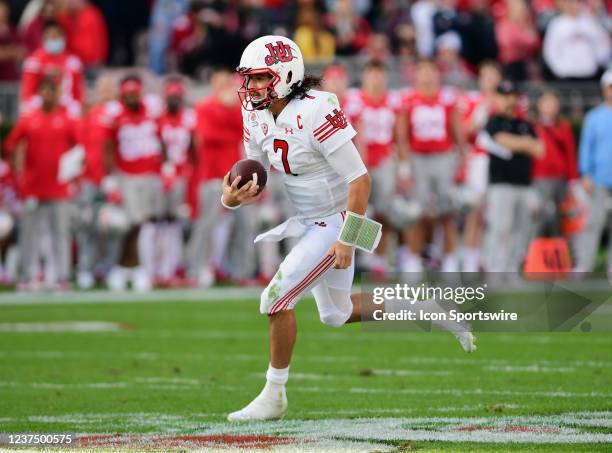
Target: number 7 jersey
pixel 297 144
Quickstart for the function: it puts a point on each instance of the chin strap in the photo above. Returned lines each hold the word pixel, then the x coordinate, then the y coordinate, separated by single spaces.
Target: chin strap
pixel 360 232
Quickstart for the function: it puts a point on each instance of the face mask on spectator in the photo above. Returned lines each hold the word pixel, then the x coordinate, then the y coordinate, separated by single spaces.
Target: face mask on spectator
pixel 55 45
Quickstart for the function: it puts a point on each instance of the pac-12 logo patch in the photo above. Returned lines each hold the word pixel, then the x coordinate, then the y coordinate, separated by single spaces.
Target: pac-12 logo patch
pixel 264 129
pixel 280 52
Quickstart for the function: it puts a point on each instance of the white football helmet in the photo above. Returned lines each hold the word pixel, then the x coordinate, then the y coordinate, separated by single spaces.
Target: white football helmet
pixel 277 56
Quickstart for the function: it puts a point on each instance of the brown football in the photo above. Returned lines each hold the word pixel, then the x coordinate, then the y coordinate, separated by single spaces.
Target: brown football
pixel 249 169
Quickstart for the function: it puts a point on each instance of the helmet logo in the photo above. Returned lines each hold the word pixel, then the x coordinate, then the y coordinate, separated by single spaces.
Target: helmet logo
pixel 280 52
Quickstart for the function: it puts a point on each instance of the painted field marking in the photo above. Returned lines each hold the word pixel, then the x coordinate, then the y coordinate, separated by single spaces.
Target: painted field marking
pixel 61 326
pixel 547 365
pixel 203 386
pixel 565 428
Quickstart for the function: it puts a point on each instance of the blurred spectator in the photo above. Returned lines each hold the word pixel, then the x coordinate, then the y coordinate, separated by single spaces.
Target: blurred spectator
pixel 596 170
pixel 52 59
pixel 351 30
pixel 558 166
pixel 452 67
pixel 163 17
pixel 11 46
pixel 125 20
pixel 518 40
pixel 218 138
pixel 601 10
pixel 512 144
pixel 256 20
pixel 377 49
pixel 392 17
pixel 544 11
pixel 361 7
pixel 317 44
pixel 48 10
pixel 48 133
pixel 475 26
pixel 576 46
pixel 85 32
pixel 209 42
pixel 478 34
pixel 422 13
pixel 187 34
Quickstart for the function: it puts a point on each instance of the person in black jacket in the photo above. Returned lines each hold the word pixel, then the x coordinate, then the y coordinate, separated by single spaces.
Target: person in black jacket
pixel 512 144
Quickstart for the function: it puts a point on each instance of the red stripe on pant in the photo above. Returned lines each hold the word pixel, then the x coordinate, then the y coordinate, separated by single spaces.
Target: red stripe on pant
pixel 321 267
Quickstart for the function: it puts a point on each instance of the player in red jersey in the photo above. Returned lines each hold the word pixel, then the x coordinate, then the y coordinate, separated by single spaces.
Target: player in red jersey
pixel 176 127
pixel 475 108
pixel 436 143
pixel 52 59
pixel 48 133
pixel 99 245
pixel 375 115
pixel 218 137
pixel 10 207
pixel 134 153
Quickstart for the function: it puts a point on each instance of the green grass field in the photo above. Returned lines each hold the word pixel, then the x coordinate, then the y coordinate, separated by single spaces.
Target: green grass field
pixel 176 368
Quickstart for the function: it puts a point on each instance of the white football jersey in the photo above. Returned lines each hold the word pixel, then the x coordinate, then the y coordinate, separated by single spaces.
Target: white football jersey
pixel 297 145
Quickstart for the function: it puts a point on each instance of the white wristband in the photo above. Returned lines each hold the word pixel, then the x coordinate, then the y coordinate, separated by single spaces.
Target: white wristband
pixel 228 207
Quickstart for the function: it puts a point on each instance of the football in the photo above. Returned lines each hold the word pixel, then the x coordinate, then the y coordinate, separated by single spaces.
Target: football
pixel 249 169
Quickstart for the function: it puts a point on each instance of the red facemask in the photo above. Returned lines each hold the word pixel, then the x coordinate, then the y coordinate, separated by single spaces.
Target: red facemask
pixel 245 93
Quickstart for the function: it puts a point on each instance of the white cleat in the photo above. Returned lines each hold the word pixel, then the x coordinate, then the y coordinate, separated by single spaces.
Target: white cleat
pixel 269 405
pixel 466 340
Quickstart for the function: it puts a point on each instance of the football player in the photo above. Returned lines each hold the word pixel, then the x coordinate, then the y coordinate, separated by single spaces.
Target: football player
pixel 176 127
pixel 436 143
pixel 375 112
pixel 304 134
pixel 133 156
pixel 48 133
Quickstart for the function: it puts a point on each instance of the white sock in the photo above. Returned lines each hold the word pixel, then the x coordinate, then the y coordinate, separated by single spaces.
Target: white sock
pixel 276 378
pixel 414 263
pixel 147 246
pixel 450 263
pixel 471 259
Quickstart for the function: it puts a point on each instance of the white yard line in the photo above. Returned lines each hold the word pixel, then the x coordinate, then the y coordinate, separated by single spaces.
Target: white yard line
pixel 60 326
pixel 222 294
pixel 101 296
pixel 193 385
pixel 436 362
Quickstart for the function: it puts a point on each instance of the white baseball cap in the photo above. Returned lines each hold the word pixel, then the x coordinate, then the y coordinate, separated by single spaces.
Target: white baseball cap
pixel 606 78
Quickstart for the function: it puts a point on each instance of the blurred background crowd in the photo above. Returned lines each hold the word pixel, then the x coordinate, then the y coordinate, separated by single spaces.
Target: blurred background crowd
pixel 120 117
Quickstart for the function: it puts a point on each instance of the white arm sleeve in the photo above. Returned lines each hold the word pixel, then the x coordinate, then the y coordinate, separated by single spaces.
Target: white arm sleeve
pixel 486 142
pixel 347 162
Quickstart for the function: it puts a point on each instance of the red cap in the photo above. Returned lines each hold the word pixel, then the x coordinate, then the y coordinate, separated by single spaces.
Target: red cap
pixel 335 71
pixel 131 86
pixel 174 87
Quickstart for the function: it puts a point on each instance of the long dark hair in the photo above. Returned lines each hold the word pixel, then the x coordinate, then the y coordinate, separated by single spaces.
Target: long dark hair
pixel 310 82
